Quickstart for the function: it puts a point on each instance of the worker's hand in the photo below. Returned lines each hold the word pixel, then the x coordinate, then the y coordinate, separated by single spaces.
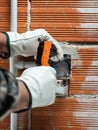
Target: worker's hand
pixel 41 83
pixel 47 53
pixel 9 92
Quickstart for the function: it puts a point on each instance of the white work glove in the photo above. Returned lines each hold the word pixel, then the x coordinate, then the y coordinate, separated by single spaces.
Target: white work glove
pixel 41 83
pixel 26 44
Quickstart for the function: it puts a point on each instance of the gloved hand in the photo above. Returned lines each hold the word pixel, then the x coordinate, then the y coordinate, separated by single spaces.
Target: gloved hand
pixel 41 84
pixel 26 44
pixel 9 92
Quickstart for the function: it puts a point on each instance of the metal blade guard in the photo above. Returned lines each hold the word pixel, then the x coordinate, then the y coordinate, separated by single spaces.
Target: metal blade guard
pixel 63 69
